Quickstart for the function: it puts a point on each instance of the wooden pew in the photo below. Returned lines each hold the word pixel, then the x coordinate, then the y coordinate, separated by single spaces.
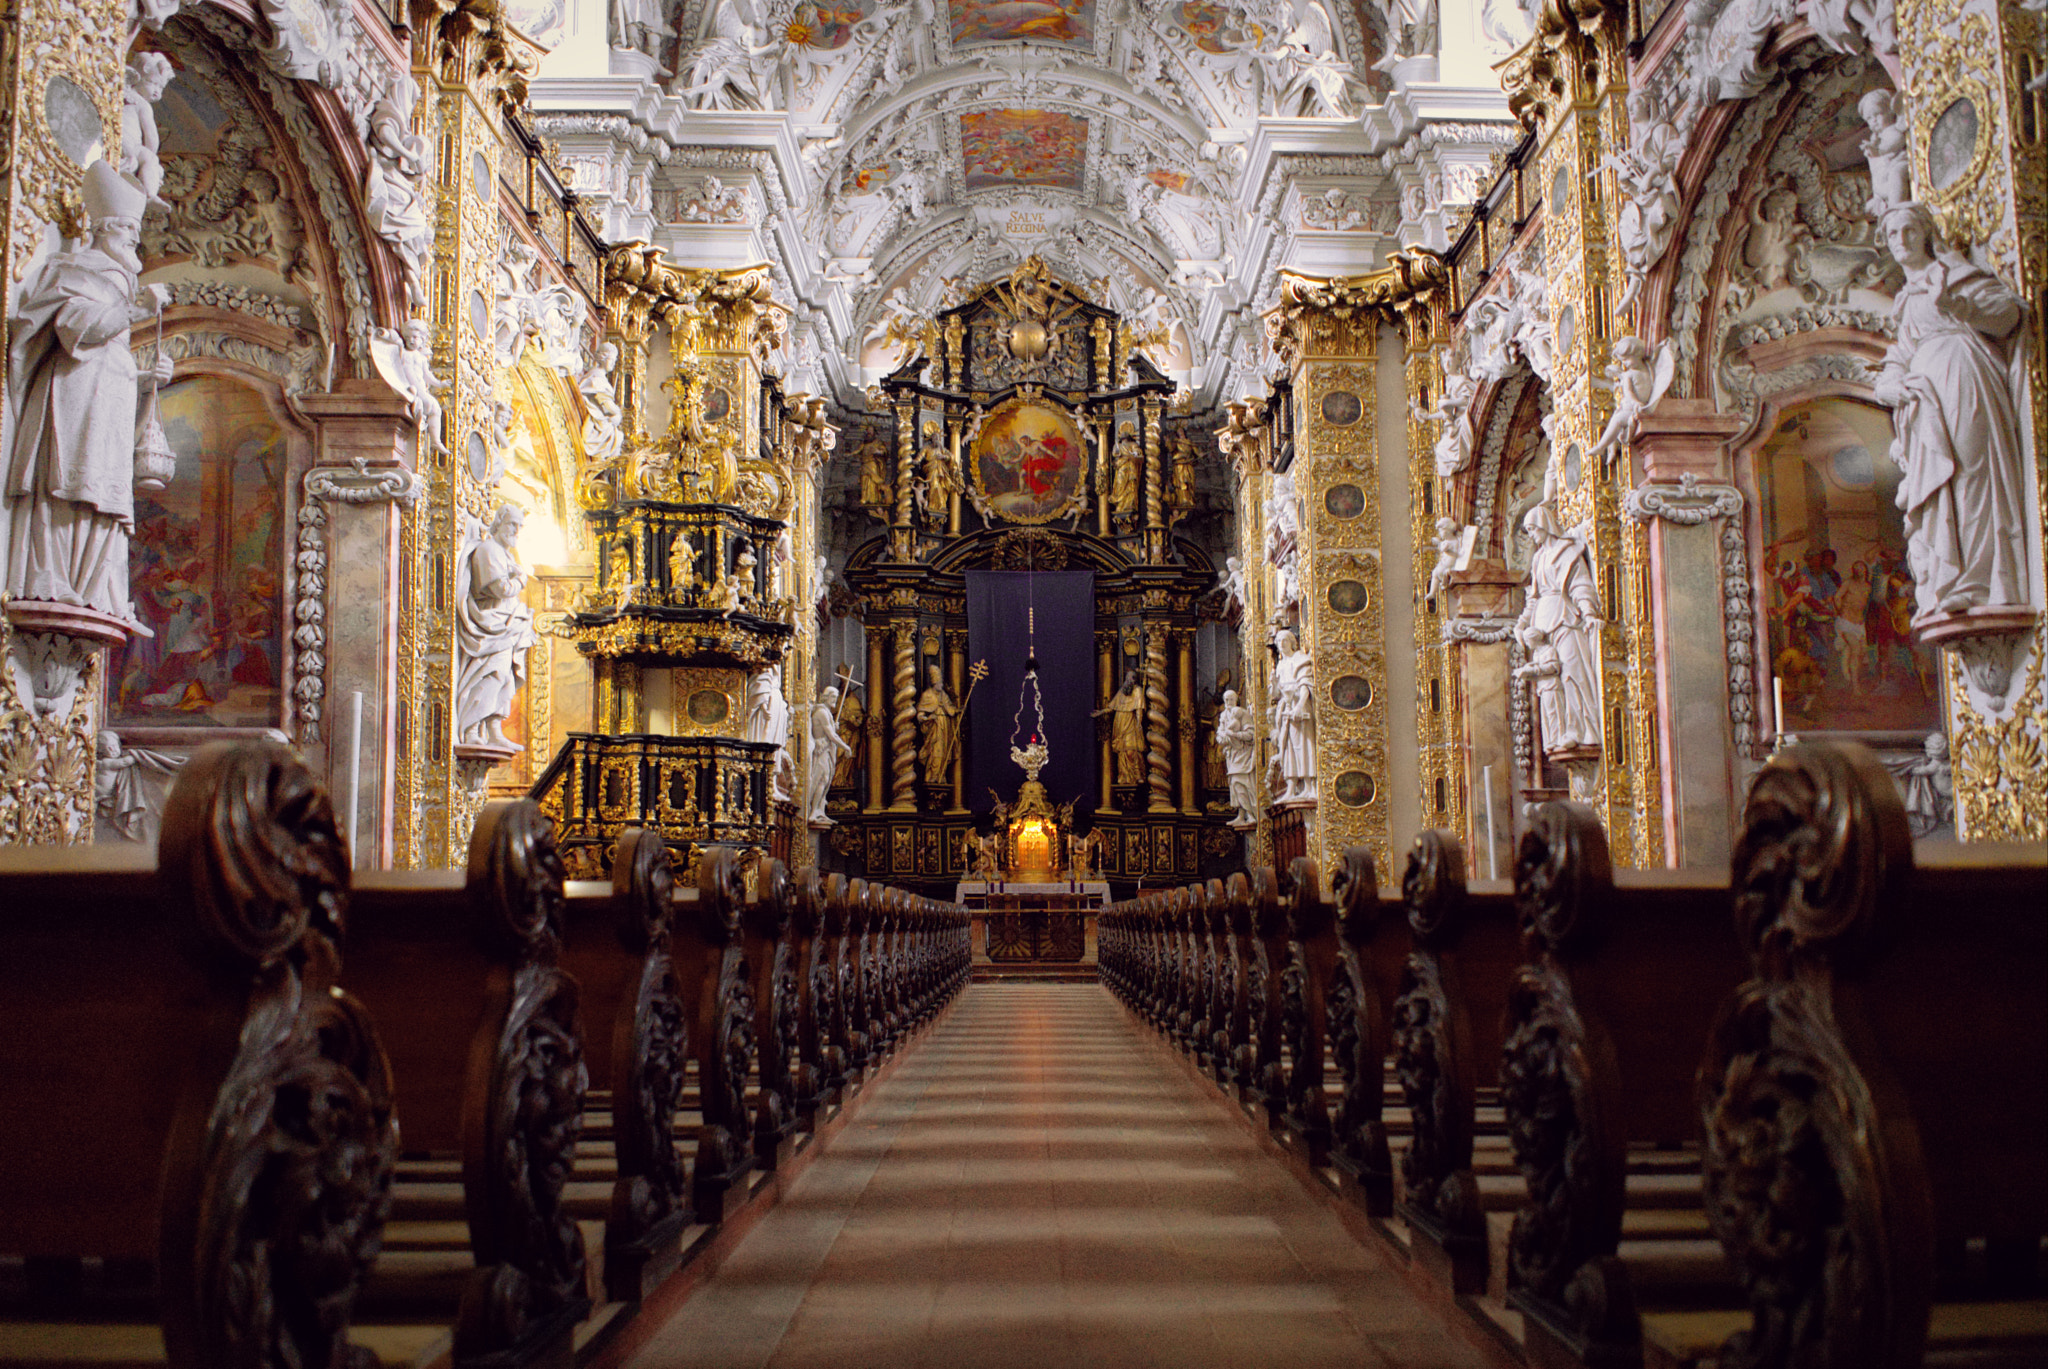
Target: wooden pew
pixel 1875 1093
pixel 773 985
pixel 1310 964
pixel 1359 1005
pixel 1448 1017
pixel 1621 977
pixel 710 959
pixel 187 1087
pixel 616 946
pixel 486 1041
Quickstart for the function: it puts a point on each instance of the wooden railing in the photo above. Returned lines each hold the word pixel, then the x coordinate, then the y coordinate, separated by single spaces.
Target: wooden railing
pixel 1792 1115
pixel 206 1096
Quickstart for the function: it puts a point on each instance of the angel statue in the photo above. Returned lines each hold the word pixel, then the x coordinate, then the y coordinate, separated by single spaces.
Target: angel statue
pixel 1640 380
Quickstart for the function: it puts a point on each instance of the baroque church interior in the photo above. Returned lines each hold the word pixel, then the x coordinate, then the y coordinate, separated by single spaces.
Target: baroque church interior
pixel 882 682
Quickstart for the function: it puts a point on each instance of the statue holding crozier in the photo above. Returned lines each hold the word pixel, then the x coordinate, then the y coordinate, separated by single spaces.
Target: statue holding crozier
pixel 69 492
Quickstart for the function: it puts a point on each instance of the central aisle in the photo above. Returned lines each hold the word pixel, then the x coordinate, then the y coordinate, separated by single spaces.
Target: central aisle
pixel 1041 1184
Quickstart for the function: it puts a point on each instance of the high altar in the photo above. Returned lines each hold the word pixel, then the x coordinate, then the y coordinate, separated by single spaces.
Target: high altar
pixel 1027 455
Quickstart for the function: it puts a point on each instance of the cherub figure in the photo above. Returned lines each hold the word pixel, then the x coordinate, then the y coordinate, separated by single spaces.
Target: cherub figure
pixel 1640 380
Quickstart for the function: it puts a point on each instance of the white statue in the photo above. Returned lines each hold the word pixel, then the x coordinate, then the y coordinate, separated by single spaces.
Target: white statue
pixel 1294 721
pixel 1237 738
pixel 1233 582
pixel 768 721
pixel 149 74
pixel 827 746
pixel 1283 517
pixel 1955 422
pixel 640 26
pixel 69 496
pixel 493 630
pixel 1927 783
pixel 1648 172
pixel 1307 75
pixel 1639 382
pixel 1885 151
pixel 1455 444
pixel 604 419
pixel 1560 627
pixel 734 66
pixel 120 791
pixel 408 368
pixel 1449 541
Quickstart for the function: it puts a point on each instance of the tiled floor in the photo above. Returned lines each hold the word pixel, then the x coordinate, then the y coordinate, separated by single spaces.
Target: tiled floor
pixel 1039 1184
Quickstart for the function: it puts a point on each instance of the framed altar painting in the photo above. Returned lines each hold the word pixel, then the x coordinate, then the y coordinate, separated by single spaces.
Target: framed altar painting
pixel 1029 462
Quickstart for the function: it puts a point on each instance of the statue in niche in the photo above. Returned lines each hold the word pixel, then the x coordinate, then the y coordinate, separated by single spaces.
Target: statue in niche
pixel 1237 736
pixel 1180 489
pixel 1294 720
pixel 743 579
pixel 1560 628
pixel 1126 711
pixel 69 497
pixel 939 480
pixel 846 772
pixel 938 725
pixel 874 472
pixel 1956 423
pixel 149 75
pixel 682 566
pixel 828 748
pixel 604 423
pixel 493 630
pixel 1123 489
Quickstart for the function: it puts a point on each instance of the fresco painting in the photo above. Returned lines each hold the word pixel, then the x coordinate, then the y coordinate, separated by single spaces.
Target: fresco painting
pixel 1062 23
pixel 1023 147
pixel 205 563
pixel 1838 594
pixel 1219 29
pixel 822 25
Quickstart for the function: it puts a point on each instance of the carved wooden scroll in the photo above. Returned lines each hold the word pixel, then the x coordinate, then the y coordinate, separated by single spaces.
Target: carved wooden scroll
pixel 1227 1009
pixel 1556 1078
pixel 1269 932
pixel 807 931
pixel 519 1145
pixel 765 928
pixel 1311 959
pixel 1357 1029
pixel 724 1036
pixel 276 1188
pixel 1433 1058
pixel 1813 1171
pixel 650 1200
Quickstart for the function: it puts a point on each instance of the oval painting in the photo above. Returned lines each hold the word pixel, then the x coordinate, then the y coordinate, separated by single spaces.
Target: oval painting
pixel 1354 788
pixel 1342 408
pixel 717 404
pixel 709 706
pixel 1351 692
pixel 1028 462
pixel 1347 597
pixel 1344 501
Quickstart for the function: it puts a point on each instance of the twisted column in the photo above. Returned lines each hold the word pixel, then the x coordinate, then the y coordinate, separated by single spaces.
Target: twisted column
pixel 903 754
pixel 1158 737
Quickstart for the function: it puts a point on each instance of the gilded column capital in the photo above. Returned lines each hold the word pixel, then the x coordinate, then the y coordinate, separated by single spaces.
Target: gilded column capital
pixel 731 310
pixel 1543 76
pixel 1320 316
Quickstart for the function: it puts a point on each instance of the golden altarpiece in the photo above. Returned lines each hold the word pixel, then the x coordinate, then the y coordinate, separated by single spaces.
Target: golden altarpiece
pixel 1025 432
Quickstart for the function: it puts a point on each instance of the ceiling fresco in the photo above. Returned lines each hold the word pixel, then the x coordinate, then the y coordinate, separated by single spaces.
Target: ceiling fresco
pixel 1022 147
pixel 907 148
pixel 1069 23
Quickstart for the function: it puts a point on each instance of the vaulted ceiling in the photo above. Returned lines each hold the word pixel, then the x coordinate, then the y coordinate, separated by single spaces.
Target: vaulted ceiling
pixel 891 155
